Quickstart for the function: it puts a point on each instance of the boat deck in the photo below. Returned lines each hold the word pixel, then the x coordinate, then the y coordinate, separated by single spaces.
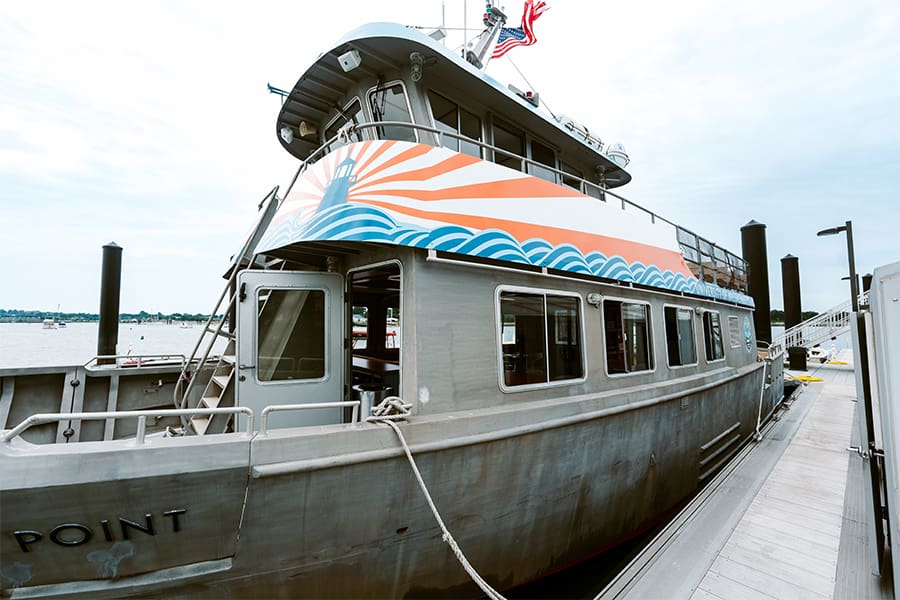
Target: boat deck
pixel 785 520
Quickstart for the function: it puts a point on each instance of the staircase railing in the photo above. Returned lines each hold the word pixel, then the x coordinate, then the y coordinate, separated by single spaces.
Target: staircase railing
pixel 824 326
pixel 186 381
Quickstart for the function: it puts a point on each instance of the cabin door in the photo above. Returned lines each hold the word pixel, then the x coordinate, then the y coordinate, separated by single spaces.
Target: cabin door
pixel 290 345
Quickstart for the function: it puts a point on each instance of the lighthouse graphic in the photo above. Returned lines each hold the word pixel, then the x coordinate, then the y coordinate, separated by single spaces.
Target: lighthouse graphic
pixel 339 186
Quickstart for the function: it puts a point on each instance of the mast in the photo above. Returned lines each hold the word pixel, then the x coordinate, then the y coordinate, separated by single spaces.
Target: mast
pixel 493 20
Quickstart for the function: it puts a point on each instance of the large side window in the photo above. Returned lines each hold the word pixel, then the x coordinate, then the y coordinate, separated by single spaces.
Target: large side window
pixel 627 331
pixel 389 104
pixel 451 118
pixel 540 338
pixel 712 336
pixel 680 345
pixel 291 334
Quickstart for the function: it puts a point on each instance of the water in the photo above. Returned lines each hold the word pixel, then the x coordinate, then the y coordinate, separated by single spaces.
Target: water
pixel 30 345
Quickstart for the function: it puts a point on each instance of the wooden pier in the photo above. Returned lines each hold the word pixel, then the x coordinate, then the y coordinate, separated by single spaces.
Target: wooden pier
pixel 785 520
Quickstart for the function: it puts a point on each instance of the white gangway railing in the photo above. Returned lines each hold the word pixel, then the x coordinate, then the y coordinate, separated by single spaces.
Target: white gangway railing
pixel 822 327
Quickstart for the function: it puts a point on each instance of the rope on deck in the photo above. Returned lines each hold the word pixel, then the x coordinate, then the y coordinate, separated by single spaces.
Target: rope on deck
pixel 393 409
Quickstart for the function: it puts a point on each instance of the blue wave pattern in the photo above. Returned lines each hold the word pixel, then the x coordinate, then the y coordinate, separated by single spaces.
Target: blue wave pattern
pixel 363 223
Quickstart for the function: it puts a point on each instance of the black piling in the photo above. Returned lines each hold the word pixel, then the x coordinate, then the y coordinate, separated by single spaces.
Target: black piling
pixel 110 284
pixel 793 313
pixel 753 243
pixel 790 288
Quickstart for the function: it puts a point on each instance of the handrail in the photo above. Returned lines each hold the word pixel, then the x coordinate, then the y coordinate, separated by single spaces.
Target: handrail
pixel 830 323
pixel 139 359
pixel 140 415
pixel 264 416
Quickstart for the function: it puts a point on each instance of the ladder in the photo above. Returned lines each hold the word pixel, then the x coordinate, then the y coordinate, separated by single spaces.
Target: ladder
pixel 219 390
pixel 824 326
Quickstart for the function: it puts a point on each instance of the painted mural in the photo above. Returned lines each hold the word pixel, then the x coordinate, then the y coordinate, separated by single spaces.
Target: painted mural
pixel 422 196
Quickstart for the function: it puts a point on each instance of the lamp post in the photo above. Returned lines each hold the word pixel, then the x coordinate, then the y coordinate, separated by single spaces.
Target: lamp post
pixel 874 483
pixel 854 290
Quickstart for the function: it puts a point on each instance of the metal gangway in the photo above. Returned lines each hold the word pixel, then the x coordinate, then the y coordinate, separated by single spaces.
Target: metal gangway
pixel 824 326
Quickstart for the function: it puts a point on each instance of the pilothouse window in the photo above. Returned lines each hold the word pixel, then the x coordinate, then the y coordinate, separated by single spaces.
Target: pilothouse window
pixel 542 155
pixel 389 104
pixel 451 118
pixel 352 114
pixel 513 142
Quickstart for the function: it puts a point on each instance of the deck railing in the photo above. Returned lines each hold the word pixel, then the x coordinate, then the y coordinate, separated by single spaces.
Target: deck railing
pixel 140 415
pixel 822 327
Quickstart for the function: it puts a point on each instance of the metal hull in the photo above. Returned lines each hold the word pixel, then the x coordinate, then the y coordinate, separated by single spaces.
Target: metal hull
pixel 335 511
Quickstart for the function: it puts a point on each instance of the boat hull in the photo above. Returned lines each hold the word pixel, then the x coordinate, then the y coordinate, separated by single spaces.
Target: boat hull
pixel 335 511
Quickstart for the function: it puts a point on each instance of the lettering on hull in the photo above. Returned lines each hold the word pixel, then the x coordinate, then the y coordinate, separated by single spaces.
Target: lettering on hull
pixel 77 534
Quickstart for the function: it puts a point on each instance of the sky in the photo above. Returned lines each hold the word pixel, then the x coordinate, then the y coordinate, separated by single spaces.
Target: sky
pixel 149 124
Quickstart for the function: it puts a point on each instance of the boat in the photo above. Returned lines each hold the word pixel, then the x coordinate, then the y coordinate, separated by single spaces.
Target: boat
pixel 552 368
pixel 49 324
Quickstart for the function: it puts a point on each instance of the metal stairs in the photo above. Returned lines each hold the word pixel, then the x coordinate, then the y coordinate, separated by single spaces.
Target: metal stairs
pixel 824 326
pixel 219 391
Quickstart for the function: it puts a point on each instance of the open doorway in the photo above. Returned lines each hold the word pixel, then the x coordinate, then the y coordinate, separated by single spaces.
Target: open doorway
pixel 376 327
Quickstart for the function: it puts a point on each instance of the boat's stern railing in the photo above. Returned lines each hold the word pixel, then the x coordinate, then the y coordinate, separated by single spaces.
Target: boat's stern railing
pixel 140 415
pixel 183 413
pixel 135 360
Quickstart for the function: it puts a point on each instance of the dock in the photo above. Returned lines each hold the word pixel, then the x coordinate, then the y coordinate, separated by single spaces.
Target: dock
pixel 786 519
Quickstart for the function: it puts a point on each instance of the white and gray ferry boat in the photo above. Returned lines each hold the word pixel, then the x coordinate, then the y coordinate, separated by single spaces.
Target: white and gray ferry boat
pixel 565 367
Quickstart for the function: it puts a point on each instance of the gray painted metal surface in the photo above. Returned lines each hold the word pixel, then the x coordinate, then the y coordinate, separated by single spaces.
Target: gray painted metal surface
pixel 884 297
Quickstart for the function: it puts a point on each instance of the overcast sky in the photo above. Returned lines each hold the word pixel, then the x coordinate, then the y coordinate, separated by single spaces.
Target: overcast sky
pixel 149 124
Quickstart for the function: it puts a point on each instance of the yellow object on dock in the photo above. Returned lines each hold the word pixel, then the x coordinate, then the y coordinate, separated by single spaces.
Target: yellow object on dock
pixel 806 378
pixel 837 362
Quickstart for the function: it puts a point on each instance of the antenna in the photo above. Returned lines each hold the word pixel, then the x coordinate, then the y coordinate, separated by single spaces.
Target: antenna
pixel 493 20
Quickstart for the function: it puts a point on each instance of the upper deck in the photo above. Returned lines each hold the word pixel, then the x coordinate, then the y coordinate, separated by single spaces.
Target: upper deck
pixel 406 143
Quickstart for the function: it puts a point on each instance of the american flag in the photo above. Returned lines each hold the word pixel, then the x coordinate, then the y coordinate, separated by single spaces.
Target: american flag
pixel 510 37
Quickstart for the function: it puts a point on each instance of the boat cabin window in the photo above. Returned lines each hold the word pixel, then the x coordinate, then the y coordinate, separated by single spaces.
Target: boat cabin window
pixel 712 336
pixel 545 157
pixel 627 332
pixel 513 142
pixel 540 338
pixel 451 118
pixel 290 334
pixel 352 114
pixel 389 103
pixel 680 345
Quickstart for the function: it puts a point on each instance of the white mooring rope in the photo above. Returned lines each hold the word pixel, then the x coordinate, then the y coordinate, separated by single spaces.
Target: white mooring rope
pixel 392 409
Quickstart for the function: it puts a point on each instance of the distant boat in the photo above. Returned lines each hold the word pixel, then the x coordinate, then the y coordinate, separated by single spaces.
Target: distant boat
pixel 49 324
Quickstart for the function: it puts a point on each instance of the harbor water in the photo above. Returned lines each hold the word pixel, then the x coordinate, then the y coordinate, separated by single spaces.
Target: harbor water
pixel 30 345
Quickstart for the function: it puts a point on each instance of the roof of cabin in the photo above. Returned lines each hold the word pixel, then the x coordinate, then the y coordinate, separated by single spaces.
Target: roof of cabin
pixel 385 48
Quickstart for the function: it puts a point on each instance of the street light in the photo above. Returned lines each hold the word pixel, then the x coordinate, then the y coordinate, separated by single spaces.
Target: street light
pixel 848 227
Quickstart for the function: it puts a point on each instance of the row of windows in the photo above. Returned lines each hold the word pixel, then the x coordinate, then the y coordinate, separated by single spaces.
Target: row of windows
pixel 389 103
pixel 540 337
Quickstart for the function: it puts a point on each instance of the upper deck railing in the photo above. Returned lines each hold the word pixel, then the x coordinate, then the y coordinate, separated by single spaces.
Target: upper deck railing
pixel 707 261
